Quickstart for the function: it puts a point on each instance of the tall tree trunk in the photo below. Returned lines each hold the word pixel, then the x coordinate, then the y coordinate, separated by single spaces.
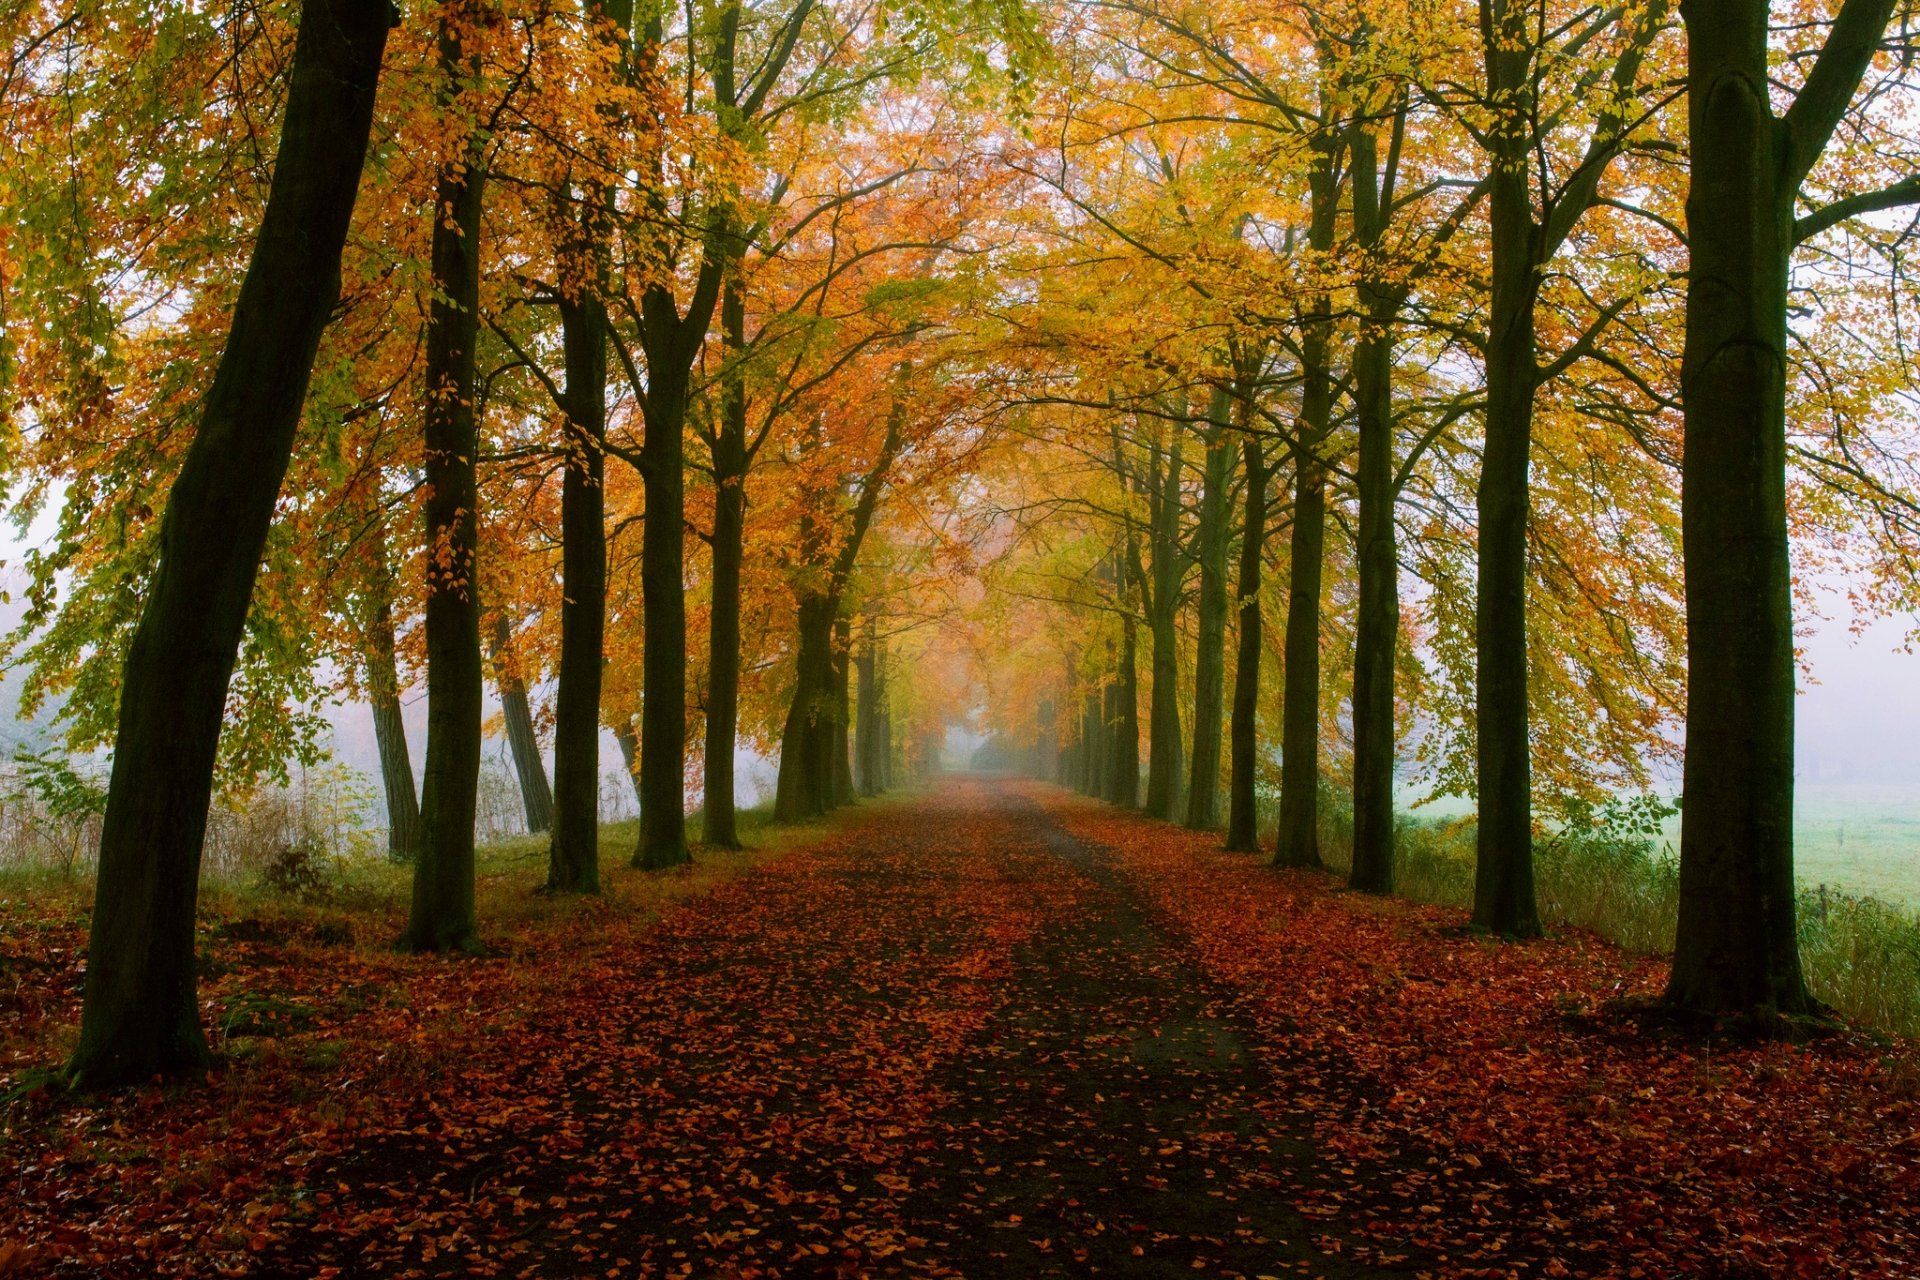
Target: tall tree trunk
pixel 390 733
pixel 866 738
pixel 441 917
pixel 883 677
pixel 1298 841
pixel 663 708
pixel 522 741
pixel 1377 628
pixel 1167 571
pixel 140 1016
pixel 1110 730
pixel 1243 832
pixel 1737 947
pixel 1503 897
pixel 843 718
pixel 1214 536
pixel 1093 733
pixel 730 461
pixel 806 781
pixel 1125 769
pixel 573 856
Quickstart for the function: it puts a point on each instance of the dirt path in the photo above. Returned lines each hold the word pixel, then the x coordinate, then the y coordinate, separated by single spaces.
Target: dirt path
pixel 950 1042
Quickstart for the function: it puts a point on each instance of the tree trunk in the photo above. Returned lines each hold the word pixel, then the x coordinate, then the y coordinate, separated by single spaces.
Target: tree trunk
pixel 1167 571
pixel 1503 896
pixel 1243 832
pixel 390 734
pixel 663 707
pixel 1093 733
pixel 1737 948
pixel 1125 768
pixel 1377 628
pixel 719 824
pixel 883 677
pixel 805 787
pixel 866 739
pixel 1214 536
pixel 629 753
pixel 573 856
pixel 140 1016
pixel 842 712
pixel 1298 841
pixel 441 918
pixel 522 741
pixel 1110 730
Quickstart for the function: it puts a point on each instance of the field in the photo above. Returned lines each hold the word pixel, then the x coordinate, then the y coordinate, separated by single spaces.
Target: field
pixel 1860 837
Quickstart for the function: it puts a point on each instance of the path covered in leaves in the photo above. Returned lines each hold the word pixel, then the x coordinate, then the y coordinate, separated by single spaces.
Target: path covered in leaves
pixel 1003 1032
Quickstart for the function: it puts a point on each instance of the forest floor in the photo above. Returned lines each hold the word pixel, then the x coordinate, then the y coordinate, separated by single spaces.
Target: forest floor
pixel 991 1031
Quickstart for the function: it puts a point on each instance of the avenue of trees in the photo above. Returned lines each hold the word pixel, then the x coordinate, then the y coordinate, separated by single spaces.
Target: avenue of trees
pixel 1264 399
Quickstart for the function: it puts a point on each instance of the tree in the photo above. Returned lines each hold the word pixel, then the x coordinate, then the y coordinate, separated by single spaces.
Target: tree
pixel 139 1016
pixel 1213 537
pixel 1529 219
pixel 1736 950
pixel 441 916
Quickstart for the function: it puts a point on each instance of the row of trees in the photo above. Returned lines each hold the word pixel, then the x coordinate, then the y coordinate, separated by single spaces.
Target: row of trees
pixel 1493 299
pixel 597 331
pixel 559 281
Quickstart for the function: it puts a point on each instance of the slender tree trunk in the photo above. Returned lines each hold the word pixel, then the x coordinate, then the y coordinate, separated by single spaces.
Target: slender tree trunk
pixel 1126 723
pixel 1168 572
pixel 866 741
pixel 1214 536
pixel 1737 948
pixel 718 822
pixel 883 678
pixel 843 793
pixel 522 741
pixel 1243 832
pixel 1110 724
pixel 805 787
pixel 140 1015
pixel 573 857
pixel 390 734
pixel 441 918
pixel 1094 734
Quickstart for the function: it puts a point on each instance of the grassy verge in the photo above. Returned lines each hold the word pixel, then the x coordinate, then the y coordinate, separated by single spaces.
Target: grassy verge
pixel 1862 955
pixel 346 910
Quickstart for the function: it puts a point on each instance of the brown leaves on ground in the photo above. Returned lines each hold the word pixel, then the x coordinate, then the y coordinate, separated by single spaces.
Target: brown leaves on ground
pixel 994 1032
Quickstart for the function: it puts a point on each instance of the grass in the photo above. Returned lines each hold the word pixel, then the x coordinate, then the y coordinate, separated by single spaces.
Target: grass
pixel 1861 955
pixel 352 907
